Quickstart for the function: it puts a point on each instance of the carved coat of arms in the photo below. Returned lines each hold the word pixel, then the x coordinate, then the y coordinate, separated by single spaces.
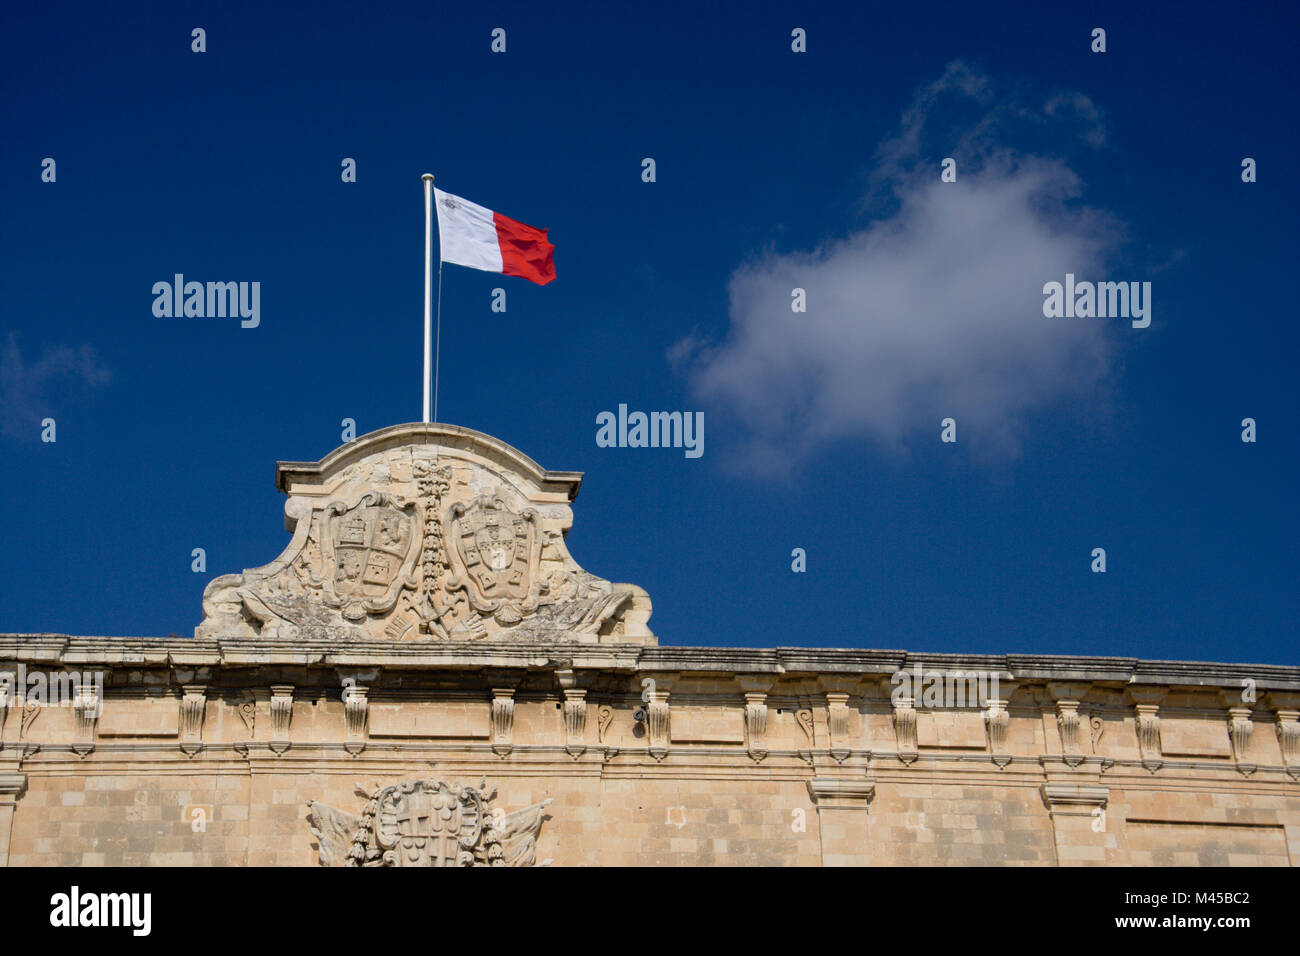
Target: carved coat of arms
pixel 427 823
pixel 369 552
pixel 494 556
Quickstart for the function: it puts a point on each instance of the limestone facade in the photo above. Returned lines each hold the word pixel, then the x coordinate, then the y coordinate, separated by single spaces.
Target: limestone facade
pixel 425 676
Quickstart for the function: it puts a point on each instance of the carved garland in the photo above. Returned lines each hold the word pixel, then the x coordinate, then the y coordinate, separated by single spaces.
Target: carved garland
pixel 434 483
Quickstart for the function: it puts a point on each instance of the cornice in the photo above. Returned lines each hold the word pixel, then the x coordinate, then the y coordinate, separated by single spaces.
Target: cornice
pixel 868 664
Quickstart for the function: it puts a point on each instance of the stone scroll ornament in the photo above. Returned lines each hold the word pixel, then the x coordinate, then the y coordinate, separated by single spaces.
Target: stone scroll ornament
pixel 427 823
pixel 416 542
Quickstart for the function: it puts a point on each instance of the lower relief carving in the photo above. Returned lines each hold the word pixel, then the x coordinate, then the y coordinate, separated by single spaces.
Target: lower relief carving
pixel 427 823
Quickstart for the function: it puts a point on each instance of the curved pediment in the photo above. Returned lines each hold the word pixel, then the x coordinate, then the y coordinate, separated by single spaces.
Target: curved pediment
pixel 425 532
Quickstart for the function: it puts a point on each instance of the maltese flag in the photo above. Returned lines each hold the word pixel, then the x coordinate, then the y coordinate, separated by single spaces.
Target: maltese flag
pixel 471 235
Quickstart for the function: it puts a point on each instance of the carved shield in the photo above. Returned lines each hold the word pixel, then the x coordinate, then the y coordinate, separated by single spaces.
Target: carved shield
pixel 369 551
pixel 429 823
pixel 495 554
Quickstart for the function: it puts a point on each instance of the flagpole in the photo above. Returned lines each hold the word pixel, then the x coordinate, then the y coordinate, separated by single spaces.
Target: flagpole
pixel 428 292
pixel 437 338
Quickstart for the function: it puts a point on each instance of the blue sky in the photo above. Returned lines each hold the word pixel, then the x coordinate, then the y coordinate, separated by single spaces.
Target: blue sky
pixel 774 169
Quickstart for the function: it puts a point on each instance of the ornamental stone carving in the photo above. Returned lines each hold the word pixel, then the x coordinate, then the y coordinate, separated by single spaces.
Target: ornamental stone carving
pixel 356 717
pixel 425 533
pixel 86 708
pixel 756 725
pixel 1240 727
pixel 1068 722
pixel 281 716
pixel 1286 725
pixel 1288 738
pixel 575 713
pixel 194 703
pixel 1148 734
pixel 658 724
pixel 427 823
pixel 904 717
pixel 998 723
pixel 503 720
pixel 837 723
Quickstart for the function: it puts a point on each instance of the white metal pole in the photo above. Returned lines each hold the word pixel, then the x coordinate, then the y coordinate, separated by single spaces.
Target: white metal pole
pixel 437 338
pixel 428 293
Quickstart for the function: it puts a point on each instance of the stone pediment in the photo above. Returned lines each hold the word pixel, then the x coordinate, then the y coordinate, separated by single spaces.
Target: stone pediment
pixel 425 533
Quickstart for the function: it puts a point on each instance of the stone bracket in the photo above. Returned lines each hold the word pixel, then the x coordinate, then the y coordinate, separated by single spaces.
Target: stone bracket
pixel 997 722
pixel 1240 728
pixel 86 707
pixel 837 722
pixel 658 724
pixel 503 720
pixel 904 718
pixel 281 717
pixel 356 717
pixel 1288 739
pixel 756 711
pixel 194 705
pixel 1148 733
pixel 575 713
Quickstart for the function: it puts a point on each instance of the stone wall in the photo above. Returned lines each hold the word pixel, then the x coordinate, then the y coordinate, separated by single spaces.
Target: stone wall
pixel 207 752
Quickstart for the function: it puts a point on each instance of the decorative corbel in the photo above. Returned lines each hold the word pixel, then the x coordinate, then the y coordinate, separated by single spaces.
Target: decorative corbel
pixel 756 726
pixel 356 705
pixel 1067 724
pixel 356 717
pixel 1240 727
pixel 1288 733
pixel 194 705
pixel 86 707
pixel 1068 697
pixel 281 717
pixel 904 718
pixel 503 720
pixel 1147 705
pixel 659 727
pixel 997 723
pixel 837 722
pixel 575 713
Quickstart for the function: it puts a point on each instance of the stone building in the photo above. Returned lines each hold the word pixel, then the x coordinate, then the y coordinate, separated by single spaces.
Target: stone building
pixel 425 676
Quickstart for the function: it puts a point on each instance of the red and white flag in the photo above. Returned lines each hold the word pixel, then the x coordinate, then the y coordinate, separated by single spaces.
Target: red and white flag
pixel 474 236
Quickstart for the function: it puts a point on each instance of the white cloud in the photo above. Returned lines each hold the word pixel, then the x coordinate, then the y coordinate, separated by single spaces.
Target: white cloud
pixel 933 311
pixel 25 389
